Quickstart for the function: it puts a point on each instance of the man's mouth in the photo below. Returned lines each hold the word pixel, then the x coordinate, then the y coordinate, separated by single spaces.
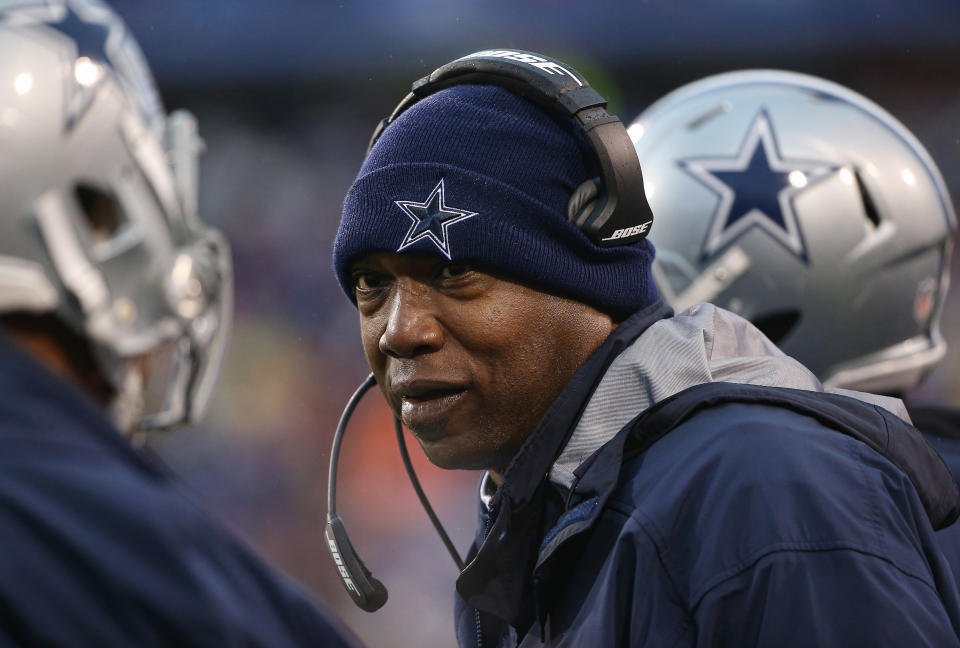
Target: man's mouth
pixel 426 402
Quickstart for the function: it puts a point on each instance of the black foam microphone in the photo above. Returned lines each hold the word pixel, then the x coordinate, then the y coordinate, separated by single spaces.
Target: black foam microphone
pixel 365 590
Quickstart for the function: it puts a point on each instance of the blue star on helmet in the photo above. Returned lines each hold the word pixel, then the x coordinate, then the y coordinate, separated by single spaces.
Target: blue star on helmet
pixel 431 220
pixel 90 36
pixel 756 188
pixel 93 43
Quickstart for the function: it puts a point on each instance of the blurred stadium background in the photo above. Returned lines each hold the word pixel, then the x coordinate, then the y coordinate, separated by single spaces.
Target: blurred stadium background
pixel 288 92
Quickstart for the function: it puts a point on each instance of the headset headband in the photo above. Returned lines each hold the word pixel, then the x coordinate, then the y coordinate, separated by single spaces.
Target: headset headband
pixel 620 214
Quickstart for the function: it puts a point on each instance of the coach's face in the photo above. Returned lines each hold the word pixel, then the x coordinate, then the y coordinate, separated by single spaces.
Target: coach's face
pixel 468 360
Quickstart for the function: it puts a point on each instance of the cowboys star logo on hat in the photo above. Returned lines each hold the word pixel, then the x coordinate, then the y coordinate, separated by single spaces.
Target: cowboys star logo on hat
pixel 432 219
pixel 757 188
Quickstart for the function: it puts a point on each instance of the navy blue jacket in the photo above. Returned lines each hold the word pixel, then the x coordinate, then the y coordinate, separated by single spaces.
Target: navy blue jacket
pixel 726 515
pixel 99 548
pixel 940 425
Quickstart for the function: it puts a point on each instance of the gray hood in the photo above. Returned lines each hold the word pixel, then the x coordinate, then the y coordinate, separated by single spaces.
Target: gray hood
pixel 700 345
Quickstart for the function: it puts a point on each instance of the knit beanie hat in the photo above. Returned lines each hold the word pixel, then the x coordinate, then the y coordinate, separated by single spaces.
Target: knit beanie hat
pixel 476 174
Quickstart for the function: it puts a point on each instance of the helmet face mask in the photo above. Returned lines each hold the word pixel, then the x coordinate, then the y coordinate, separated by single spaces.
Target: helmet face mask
pixel 99 223
pixel 807 209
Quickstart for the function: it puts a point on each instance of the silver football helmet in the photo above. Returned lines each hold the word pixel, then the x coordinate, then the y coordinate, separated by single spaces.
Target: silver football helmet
pixel 807 209
pixel 98 210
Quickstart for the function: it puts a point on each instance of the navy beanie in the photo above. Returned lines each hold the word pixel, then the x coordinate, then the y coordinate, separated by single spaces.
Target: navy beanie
pixel 476 174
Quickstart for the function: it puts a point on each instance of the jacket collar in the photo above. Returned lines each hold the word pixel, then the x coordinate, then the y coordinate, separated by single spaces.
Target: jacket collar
pixel 41 405
pixel 497 579
pixel 876 427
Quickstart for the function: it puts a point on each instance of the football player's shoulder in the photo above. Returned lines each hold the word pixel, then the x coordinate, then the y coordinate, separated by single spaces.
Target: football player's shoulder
pixel 761 471
pixel 750 443
pixel 739 482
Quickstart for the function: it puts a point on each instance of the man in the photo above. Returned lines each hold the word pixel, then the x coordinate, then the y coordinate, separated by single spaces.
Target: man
pixel 843 221
pixel 115 302
pixel 650 480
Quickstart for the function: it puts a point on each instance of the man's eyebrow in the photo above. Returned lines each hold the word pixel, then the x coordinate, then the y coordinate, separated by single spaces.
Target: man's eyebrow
pixel 362 266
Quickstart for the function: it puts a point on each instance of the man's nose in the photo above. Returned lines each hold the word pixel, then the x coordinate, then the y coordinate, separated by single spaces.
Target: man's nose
pixel 412 324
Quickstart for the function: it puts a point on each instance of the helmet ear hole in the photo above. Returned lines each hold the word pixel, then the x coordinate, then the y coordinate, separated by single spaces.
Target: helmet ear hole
pixel 101 210
pixel 581 202
pixel 777 326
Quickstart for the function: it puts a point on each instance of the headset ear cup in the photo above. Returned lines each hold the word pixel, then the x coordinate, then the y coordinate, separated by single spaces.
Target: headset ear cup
pixel 581 202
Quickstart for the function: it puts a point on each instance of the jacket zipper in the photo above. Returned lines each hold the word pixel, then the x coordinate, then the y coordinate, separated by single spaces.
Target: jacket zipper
pixel 476 612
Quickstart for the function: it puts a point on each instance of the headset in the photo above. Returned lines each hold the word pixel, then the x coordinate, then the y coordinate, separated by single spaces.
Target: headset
pixel 611 210
pixel 365 590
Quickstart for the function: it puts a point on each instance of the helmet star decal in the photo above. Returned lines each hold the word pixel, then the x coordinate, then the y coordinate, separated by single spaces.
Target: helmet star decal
pixel 432 219
pixel 756 188
pixel 94 44
pixel 90 35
